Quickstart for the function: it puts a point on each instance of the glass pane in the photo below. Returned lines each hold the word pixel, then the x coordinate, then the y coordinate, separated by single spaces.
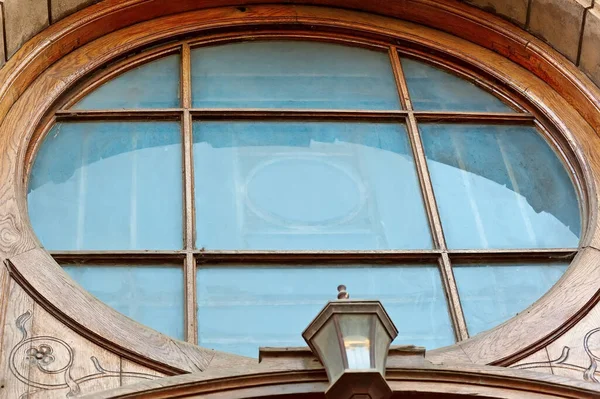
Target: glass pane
pixel 381 346
pixel 328 345
pixel 500 187
pixel 356 332
pixel 152 85
pixel 493 294
pixel 108 186
pixel 151 295
pixel 291 74
pixel 275 185
pixel 433 89
pixel 241 309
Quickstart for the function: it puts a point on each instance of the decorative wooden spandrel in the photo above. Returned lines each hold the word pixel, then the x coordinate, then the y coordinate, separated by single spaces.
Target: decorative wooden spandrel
pixel 42 358
pixel 538 362
pixel 17 303
pixel 575 354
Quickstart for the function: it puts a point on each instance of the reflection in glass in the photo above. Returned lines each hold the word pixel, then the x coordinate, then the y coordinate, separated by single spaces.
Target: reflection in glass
pixel 356 332
pixel 432 89
pixel 108 186
pixel 500 187
pixel 242 308
pixel 292 74
pixel 492 294
pixel 272 185
pixel 152 85
pixel 150 295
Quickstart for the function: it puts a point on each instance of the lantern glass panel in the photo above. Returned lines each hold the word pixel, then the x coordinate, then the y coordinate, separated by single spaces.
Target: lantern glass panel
pixel 327 344
pixel 382 345
pixel 356 332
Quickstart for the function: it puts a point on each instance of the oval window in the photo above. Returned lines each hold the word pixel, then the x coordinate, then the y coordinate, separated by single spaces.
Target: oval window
pixel 280 169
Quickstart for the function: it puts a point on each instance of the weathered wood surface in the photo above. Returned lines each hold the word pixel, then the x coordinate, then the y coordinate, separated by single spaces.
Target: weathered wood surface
pixel 42 358
pixel 503 345
pixel 30 85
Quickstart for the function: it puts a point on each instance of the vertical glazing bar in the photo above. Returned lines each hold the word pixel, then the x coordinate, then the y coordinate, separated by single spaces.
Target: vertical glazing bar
pixel 191 324
pixel 435 223
pixel 456 310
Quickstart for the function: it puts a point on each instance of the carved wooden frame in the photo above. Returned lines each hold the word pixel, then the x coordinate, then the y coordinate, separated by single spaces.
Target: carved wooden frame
pixel 31 87
pixel 302 377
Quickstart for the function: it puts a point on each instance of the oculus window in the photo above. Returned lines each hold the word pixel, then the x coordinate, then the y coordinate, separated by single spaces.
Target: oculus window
pixel 273 171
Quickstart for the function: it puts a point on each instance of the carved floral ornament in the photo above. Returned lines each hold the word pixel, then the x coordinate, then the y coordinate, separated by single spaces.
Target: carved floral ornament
pixel 41 353
pixel 36 78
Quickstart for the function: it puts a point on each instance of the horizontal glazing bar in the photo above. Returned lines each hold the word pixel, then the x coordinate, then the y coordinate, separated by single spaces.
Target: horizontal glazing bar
pixel 295 257
pixel 119 114
pixel 474 117
pixel 289 114
pixel 512 255
pixel 117 256
pixel 308 257
pixel 292 114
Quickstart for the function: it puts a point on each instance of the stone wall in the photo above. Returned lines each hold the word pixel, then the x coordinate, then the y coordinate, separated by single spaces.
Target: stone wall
pixel 571 26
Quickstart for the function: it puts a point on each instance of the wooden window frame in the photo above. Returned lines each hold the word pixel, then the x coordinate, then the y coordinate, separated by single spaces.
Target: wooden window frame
pixel 41 104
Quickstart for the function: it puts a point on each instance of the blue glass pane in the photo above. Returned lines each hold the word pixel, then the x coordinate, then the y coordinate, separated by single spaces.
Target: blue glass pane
pixel 491 295
pixel 152 85
pixel 500 187
pixel 150 295
pixel 275 185
pixel 108 186
pixel 289 74
pixel 436 90
pixel 241 309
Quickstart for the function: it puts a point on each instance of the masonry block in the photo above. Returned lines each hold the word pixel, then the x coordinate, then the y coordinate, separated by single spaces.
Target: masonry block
pixel 23 19
pixel 559 22
pixel 2 55
pixel 590 45
pixel 513 10
pixel 63 8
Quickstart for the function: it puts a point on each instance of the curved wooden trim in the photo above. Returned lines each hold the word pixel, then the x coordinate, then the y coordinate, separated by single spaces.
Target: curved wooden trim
pixel 450 16
pixel 31 265
pixel 265 380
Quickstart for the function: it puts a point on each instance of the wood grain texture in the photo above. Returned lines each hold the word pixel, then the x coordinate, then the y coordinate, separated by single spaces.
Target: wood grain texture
pixel 133 373
pixel 538 362
pixel 453 17
pixel 559 306
pixel 85 367
pixel 508 343
pixel 93 319
pixel 576 353
pixel 13 375
pixel 295 377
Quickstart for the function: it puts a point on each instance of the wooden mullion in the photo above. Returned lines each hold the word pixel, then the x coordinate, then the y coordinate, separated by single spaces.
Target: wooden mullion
pixel 419 156
pixel 457 315
pixel 118 114
pixel 191 323
pixel 186 121
pixel 186 77
pixel 433 216
pixel 321 257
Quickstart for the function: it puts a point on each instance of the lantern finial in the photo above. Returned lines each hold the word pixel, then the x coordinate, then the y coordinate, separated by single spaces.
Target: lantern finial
pixel 342 293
